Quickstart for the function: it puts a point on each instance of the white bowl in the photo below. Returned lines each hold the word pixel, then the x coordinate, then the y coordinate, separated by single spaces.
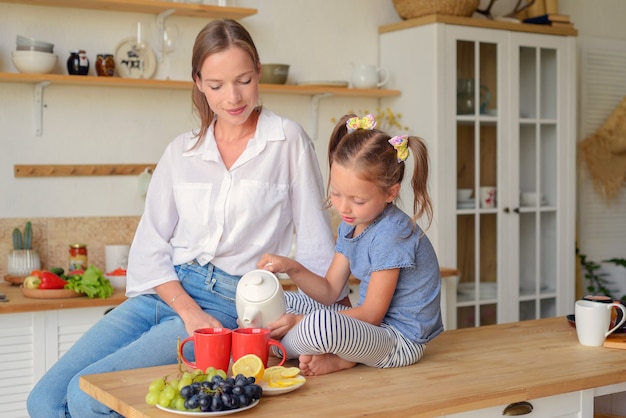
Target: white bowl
pixel 530 198
pixel 118 282
pixel 23 41
pixel 463 195
pixel 33 62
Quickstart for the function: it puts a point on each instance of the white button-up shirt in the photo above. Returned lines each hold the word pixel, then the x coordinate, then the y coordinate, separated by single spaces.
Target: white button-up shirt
pixel 196 209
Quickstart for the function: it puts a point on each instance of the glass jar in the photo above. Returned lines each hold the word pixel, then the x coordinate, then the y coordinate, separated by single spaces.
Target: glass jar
pixel 78 63
pixel 77 257
pixel 105 65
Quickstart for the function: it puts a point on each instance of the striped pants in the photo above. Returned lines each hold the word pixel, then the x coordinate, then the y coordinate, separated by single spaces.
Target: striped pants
pixel 324 330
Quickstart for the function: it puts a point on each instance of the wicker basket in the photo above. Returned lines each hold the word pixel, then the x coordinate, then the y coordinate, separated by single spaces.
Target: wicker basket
pixel 409 9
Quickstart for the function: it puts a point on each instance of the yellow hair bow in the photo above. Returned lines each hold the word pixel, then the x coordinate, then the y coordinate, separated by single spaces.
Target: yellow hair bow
pixel 366 122
pixel 400 143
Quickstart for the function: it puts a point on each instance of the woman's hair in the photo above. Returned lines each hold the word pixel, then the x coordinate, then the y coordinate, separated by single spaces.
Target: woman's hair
pixel 370 155
pixel 217 36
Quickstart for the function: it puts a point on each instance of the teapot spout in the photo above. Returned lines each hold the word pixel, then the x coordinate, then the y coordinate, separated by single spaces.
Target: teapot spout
pixel 251 318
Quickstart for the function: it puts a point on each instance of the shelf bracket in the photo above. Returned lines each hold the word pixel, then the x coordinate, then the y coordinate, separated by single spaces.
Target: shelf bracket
pixel 315 112
pixel 38 110
pixel 160 21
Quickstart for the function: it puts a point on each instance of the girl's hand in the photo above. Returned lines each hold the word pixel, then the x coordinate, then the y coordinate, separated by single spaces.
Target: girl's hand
pixel 282 325
pixel 274 263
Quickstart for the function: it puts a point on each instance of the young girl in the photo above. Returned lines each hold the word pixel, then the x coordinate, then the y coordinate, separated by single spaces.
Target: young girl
pixel 398 310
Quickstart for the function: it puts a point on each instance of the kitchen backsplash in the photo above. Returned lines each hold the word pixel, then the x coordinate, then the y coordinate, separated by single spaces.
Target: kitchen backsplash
pixel 53 236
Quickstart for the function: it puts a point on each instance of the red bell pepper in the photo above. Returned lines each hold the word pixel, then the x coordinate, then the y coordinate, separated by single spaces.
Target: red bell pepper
pixel 50 280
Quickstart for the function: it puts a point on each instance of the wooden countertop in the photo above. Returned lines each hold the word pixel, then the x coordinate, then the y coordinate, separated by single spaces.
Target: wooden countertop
pixel 18 303
pixel 462 370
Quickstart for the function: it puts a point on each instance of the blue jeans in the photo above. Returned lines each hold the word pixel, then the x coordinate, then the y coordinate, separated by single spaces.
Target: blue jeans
pixel 141 332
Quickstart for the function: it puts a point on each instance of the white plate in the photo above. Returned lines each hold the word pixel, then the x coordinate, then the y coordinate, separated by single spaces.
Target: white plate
pixel 208 414
pixel 128 63
pixel 323 83
pixel 269 391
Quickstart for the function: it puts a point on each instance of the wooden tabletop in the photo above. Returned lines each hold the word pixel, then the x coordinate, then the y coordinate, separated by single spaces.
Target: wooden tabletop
pixel 462 370
pixel 18 303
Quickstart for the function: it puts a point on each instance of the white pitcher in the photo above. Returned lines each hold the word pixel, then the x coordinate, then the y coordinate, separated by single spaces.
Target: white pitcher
pixel 365 76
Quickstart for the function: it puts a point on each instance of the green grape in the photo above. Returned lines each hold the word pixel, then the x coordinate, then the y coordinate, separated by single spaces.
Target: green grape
pixel 184 381
pixel 152 397
pixel 221 373
pixel 179 404
pixel 157 385
pixel 164 401
pixel 169 393
pixel 173 383
pixel 197 372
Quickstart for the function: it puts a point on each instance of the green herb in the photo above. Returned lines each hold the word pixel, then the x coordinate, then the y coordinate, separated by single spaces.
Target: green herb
pixel 92 283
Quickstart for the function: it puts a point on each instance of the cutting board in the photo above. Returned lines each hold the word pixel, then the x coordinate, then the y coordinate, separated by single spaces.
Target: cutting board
pixel 616 341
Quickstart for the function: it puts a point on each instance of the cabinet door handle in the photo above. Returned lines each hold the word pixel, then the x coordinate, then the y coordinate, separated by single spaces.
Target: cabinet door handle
pixel 518 408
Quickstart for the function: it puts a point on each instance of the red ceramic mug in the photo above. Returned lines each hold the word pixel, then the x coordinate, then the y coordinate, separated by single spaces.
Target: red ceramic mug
pixel 211 347
pixel 255 341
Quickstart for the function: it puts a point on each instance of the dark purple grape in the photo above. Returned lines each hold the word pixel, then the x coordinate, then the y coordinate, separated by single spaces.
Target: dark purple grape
pixel 250 380
pixel 216 403
pixel 244 400
pixel 205 402
pixel 187 392
pixel 192 403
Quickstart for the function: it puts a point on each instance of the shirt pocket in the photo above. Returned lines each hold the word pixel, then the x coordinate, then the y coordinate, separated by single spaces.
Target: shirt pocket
pixel 260 208
pixel 193 203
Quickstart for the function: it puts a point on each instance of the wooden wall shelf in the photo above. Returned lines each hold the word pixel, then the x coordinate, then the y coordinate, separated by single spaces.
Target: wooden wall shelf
pixel 94 81
pixel 65 170
pixel 146 6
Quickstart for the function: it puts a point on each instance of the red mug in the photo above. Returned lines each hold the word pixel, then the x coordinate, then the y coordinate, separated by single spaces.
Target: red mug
pixel 211 347
pixel 255 341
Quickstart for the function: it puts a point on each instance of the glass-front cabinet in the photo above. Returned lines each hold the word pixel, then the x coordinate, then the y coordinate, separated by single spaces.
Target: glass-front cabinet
pixel 497 110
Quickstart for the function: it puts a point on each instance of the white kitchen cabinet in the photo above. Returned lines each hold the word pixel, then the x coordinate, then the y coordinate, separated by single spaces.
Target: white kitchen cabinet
pixel 516 132
pixel 30 343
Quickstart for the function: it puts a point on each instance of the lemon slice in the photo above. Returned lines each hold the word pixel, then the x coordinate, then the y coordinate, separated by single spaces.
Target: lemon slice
pixel 280 372
pixel 249 365
pixel 286 382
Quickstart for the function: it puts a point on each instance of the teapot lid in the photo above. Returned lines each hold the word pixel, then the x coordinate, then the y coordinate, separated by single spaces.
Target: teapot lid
pixel 257 286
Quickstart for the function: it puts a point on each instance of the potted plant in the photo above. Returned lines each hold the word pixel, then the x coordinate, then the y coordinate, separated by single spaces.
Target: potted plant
pixel 22 258
pixel 596 278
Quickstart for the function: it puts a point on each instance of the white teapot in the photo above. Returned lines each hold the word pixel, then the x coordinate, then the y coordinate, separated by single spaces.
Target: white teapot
pixel 259 299
pixel 366 76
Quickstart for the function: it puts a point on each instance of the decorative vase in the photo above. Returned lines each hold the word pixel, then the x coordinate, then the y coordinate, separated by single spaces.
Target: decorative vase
pixel 23 262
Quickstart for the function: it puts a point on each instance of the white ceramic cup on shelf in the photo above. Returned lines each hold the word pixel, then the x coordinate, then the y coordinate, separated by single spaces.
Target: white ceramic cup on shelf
pixel 487 197
pixel 463 195
pixel 593 319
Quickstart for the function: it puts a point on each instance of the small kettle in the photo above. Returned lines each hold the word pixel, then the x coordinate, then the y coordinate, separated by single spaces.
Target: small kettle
pixel 259 299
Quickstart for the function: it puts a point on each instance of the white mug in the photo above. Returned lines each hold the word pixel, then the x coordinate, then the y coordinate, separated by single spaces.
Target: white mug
pixel 593 319
pixel 488 197
pixel 116 256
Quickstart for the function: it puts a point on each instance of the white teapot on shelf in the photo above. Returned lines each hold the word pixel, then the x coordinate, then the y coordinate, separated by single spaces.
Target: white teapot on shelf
pixel 259 299
pixel 366 76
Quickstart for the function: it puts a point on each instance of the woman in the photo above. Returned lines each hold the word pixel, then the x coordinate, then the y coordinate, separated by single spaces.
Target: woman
pixel 219 198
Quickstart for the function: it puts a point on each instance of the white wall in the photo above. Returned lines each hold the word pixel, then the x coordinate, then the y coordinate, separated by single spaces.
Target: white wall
pixel 83 125
pixel 602 226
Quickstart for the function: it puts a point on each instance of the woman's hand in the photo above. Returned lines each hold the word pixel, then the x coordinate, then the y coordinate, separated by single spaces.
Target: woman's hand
pixel 197 319
pixel 282 325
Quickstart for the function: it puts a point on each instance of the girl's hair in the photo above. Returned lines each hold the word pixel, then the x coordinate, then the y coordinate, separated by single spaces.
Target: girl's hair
pixel 369 154
pixel 217 36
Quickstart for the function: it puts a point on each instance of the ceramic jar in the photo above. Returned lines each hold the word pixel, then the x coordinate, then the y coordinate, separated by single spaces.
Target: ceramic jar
pixel 105 65
pixel 78 63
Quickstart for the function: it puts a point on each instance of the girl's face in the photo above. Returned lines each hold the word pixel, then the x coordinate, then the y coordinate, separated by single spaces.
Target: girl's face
pixel 359 202
pixel 229 81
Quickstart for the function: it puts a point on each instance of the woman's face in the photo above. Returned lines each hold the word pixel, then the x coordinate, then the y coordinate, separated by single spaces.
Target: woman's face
pixel 229 81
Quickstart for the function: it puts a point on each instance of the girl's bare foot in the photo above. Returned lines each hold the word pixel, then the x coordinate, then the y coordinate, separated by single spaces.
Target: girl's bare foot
pixel 315 365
